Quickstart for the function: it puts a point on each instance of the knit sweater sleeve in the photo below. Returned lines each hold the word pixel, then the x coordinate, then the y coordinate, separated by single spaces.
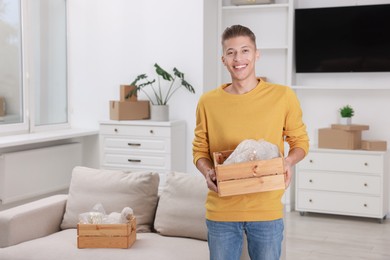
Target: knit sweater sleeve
pixel 295 130
pixel 200 144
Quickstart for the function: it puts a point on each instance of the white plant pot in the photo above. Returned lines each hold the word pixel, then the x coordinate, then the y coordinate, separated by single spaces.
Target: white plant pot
pixel 345 120
pixel 159 113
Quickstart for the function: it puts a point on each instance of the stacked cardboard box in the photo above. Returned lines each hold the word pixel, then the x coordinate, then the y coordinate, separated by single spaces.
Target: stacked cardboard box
pixel 374 145
pixel 128 108
pixel 341 137
pixel 348 137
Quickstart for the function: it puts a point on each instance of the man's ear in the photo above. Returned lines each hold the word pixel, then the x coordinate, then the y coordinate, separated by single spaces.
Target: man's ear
pixel 223 60
pixel 257 54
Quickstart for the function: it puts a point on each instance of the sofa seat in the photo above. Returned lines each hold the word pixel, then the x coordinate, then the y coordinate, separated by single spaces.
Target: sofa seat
pixel 63 246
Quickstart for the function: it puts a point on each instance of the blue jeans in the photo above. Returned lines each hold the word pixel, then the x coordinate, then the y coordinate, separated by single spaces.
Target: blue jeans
pixel 264 239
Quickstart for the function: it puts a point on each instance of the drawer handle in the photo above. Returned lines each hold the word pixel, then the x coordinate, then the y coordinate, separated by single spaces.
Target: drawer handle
pixel 365 205
pixel 310 161
pixel 116 130
pixel 133 144
pixel 151 131
pixel 310 200
pixel 134 160
pixel 365 184
pixel 311 181
pixel 365 164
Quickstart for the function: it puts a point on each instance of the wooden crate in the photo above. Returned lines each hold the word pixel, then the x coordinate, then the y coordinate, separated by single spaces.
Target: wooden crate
pixel 248 177
pixel 106 235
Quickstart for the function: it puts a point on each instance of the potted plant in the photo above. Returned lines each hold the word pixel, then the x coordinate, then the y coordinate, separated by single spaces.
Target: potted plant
pixel 346 113
pixel 160 93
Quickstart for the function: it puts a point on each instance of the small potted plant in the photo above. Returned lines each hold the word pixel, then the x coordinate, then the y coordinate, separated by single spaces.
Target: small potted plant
pixel 159 93
pixel 346 113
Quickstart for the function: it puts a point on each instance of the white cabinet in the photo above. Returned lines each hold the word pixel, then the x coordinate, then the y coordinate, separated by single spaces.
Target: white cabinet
pixel 272 25
pixel 143 145
pixel 346 182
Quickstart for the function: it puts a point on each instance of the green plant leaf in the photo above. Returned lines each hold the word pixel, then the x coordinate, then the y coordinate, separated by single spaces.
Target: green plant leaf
pixel 347 111
pixel 131 93
pixel 157 95
pixel 178 73
pixel 163 73
pixel 138 78
pixel 188 86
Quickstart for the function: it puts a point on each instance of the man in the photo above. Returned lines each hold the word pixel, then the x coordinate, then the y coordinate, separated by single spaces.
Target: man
pixel 246 108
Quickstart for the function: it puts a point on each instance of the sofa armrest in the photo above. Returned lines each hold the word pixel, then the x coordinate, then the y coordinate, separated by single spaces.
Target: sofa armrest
pixel 32 220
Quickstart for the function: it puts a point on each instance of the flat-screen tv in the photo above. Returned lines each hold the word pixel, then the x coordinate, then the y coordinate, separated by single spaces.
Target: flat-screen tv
pixel 342 39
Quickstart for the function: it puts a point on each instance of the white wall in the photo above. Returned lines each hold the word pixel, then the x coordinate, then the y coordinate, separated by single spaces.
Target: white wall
pixel 320 105
pixel 110 42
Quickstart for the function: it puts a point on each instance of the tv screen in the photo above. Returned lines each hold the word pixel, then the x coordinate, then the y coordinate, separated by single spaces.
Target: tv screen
pixel 343 39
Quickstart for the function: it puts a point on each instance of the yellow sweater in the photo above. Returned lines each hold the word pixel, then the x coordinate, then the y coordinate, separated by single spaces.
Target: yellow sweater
pixel 270 112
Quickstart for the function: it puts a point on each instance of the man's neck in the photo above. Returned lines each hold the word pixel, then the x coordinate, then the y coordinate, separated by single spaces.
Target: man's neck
pixel 242 86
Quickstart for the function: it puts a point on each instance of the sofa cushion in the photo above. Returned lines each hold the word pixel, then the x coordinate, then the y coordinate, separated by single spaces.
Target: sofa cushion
pixel 63 245
pixel 115 190
pixel 181 209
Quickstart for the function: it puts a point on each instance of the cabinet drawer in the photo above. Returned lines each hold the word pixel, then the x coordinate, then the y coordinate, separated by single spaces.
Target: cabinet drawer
pixel 146 131
pixel 328 181
pixel 364 163
pixel 142 161
pixel 339 203
pixel 134 144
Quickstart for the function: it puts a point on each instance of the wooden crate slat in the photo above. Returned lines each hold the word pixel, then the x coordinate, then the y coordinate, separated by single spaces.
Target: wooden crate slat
pixel 251 185
pixel 250 169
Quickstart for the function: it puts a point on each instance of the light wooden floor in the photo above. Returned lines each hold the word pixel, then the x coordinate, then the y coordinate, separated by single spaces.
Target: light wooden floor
pixel 330 237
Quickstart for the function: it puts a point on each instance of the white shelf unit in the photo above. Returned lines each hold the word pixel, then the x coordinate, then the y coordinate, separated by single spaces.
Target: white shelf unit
pixel 272 25
pixel 344 182
pixel 143 145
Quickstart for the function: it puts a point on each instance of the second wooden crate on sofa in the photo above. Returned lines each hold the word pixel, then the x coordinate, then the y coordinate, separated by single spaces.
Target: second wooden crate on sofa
pixel 107 235
pixel 248 177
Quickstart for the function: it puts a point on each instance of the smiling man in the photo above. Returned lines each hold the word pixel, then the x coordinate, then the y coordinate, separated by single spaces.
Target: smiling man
pixel 246 108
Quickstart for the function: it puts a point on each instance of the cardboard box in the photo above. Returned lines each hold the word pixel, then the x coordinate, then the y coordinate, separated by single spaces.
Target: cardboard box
pixel 248 177
pixel 339 139
pixel 2 106
pixel 123 110
pixel 107 235
pixel 124 90
pixel 374 145
pixel 351 127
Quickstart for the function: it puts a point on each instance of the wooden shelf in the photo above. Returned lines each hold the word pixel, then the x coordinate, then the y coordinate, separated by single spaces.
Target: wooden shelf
pixel 329 87
pixel 248 7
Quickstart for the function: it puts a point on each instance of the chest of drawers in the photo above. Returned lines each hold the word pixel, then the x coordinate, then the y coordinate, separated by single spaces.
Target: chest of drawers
pixel 343 182
pixel 143 146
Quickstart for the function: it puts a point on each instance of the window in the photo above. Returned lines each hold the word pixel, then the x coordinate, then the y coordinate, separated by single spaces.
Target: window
pixel 33 72
pixel 11 90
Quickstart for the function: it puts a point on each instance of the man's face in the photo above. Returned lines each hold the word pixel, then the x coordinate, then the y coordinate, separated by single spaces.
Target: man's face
pixel 239 57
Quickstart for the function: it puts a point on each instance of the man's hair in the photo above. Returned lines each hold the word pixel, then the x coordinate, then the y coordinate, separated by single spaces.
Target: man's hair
pixel 238 30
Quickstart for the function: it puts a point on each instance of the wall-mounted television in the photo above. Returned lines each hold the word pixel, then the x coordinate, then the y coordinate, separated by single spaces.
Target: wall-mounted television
pixel 342 39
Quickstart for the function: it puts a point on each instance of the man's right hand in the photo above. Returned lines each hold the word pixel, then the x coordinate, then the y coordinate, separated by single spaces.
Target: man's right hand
pixel 211 180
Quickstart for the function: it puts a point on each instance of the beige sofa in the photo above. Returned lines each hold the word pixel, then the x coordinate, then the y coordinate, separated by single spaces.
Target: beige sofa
pixel 170 225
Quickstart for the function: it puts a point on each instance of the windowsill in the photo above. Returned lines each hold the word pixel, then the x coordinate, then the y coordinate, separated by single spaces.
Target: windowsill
pixel 23 139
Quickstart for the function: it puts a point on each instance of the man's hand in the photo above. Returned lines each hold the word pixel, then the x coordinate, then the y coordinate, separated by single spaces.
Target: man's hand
pixel 294 156
pixel 287 173
pixel 211 180
pixel 206 167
